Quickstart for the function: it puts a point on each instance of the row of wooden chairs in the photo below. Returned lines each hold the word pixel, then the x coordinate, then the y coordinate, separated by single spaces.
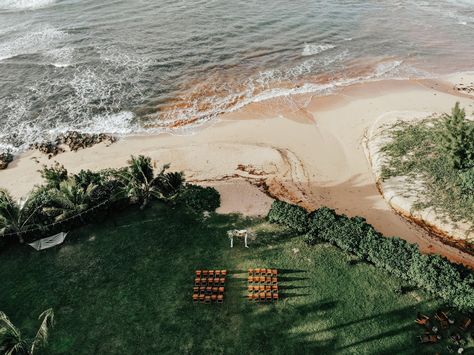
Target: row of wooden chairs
pixel 262 288
pixel 209 281
pixel 263 280
pixel 211 273
pixel 208 290
pixel 263 272
pixel 263 297
pixel 202 298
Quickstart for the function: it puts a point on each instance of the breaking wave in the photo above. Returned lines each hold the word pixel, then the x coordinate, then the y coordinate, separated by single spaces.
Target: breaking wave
pixel 25 4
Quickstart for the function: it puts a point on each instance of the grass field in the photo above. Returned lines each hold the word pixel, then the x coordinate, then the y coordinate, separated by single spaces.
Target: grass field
pixel 124 287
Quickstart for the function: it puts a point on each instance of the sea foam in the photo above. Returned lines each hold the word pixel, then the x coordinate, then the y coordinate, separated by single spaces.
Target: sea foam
pixel 32 42
pixel 25 4
pixel 313 49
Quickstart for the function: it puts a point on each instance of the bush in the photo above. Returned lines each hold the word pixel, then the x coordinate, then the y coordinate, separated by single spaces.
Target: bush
pixel 198 199
pixel 292 216
pixel 452 282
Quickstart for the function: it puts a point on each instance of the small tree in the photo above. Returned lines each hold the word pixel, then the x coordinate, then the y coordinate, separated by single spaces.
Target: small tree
pixel 69 199
pixel 14 217
pixel 54 175
pixel 142 185
pixel 457 138
pixel 12 341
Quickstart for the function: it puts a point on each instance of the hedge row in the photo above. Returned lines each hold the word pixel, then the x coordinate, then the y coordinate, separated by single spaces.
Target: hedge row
pixel 452 282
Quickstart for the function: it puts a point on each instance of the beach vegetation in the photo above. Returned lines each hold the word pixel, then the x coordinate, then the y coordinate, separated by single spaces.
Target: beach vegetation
pixel 142 185
pixel 436 155
pixel 66 200
pixel 13 342
pixel 198 199
pixel 453 283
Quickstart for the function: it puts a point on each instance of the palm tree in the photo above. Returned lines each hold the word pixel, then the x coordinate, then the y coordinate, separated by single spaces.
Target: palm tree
pixel 16 217
pixel 69 200
pixel 12 341
pixel 142 185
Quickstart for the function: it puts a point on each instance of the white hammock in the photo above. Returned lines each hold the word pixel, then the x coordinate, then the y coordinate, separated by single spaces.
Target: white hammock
pixel 49 242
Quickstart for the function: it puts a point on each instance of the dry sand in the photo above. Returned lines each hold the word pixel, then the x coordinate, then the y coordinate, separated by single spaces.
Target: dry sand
pixel 307 150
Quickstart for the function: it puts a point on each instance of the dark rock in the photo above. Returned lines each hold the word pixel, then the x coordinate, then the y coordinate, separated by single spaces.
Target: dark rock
pixel 5 159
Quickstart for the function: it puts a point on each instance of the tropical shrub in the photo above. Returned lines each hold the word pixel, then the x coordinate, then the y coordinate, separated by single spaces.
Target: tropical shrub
pixel 198 199
pixel 293 216
pixel 457 138
pixel 452 282
pixel 54 175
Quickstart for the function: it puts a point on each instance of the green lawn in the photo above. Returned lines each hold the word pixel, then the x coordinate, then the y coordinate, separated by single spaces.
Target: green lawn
pixel 125 286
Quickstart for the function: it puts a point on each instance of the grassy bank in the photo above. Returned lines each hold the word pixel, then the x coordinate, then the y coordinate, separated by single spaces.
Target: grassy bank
pixel 125 285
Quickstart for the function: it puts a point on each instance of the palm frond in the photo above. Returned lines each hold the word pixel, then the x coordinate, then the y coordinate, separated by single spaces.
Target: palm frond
pixel 41 337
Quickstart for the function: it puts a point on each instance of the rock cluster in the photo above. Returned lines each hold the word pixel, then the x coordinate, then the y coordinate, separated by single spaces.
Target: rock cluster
pixel 465 89
pixel 74 140
pixel 5 159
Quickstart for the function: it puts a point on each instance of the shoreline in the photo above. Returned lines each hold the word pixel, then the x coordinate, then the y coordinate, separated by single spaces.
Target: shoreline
pixel 304 149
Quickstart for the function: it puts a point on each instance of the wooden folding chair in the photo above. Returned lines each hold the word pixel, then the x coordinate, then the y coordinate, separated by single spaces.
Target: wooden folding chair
pixel 261 279
pixel 208 290
pixel 215 289
pixel 275 297
pixel 201 297
pixel 261 288
pixel 256 288
pixel 261 297
pixel 222 281
pixel 202 289
pixel 195 289
pixel 268 296
pixel 217 273
pixel 274 280
pixel 195 298
pixel 213 298
pixel 250 279
pixel 250 296
pixel 268 280
pixel 207 299
pixel 250 271
pixel 250 288
pixel 210 280
pixel 211 273
pixel 217 281
pixel 274 272
pixel 205 273
pixel 269 272
pixel 197 281
pixel 198 273
pixel 221 289
pixel 224 273
pixel 203 282
pixel 256 271
pixel 220 298
pixel 275 288
pixel 268 288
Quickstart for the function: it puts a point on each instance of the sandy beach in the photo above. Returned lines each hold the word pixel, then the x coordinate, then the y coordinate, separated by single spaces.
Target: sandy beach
pixel 303 149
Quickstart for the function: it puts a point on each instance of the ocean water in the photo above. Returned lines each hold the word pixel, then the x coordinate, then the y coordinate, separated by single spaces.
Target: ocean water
pixel 138 66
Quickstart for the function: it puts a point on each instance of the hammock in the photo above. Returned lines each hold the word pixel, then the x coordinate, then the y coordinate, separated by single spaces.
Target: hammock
pixel 49 242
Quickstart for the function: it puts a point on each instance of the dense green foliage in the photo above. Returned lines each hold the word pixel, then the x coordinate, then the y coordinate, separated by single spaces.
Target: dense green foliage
pixel 198 199
pixel 437 153
pixel 292 216
pixel 453 283
pixel 123 286
pixel 68 200
pixel 457 138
